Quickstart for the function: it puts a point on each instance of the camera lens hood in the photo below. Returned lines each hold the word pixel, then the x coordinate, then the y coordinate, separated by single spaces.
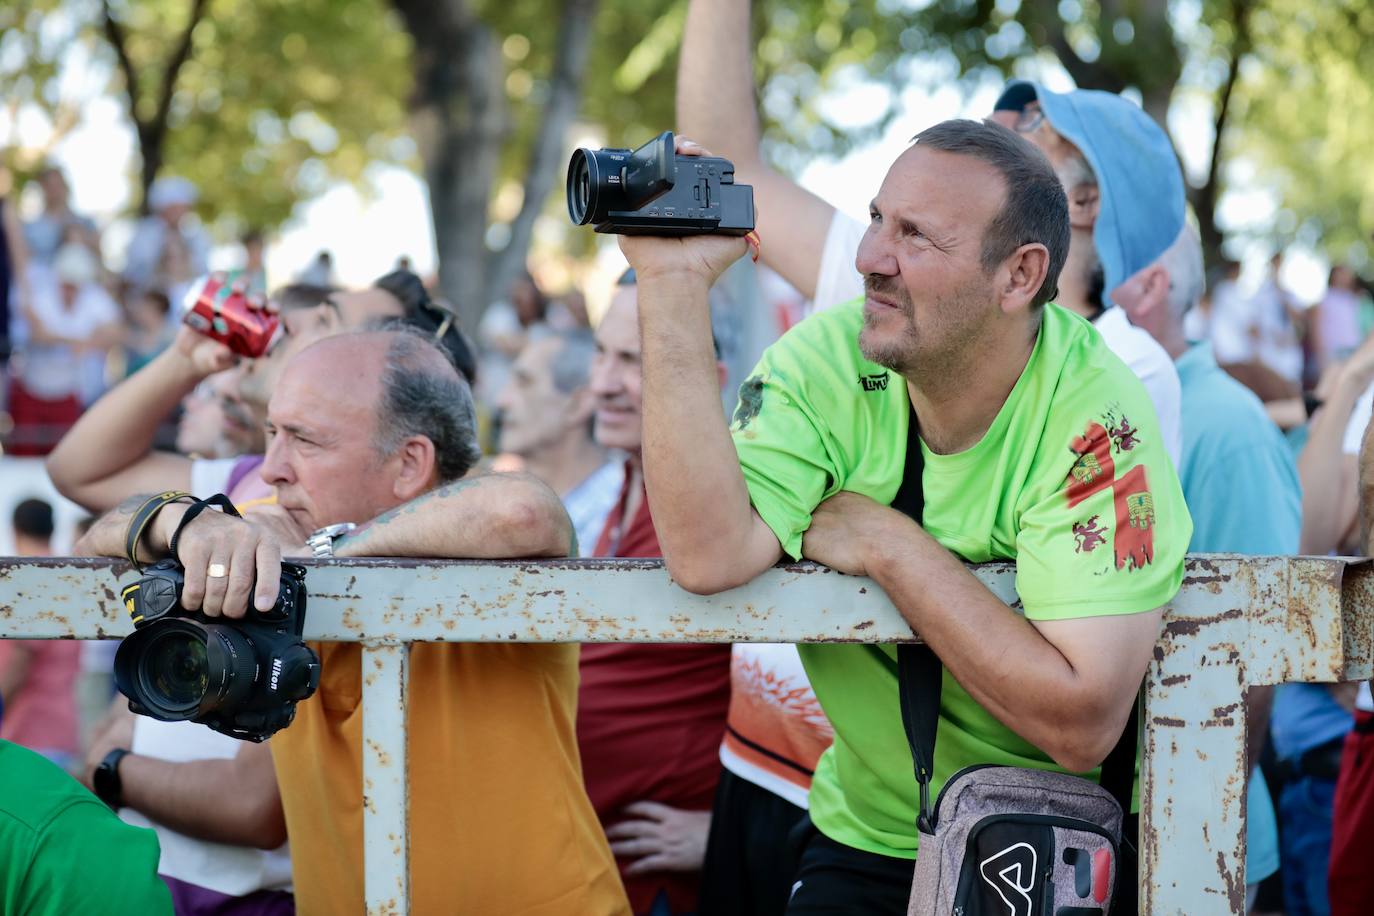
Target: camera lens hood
pixel 584 186
pixel 176 669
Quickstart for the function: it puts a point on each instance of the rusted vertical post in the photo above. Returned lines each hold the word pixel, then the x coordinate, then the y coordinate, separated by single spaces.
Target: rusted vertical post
pixel 386 791
pixel 1192 787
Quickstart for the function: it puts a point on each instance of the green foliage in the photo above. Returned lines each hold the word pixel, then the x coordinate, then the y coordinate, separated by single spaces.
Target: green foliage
pixel 276 98
pixel 1308 121
pixel 36 36
pixel 280 96
pixel 630 85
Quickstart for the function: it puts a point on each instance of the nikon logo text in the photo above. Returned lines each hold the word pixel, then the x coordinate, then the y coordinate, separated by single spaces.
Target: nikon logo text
pixel 276 674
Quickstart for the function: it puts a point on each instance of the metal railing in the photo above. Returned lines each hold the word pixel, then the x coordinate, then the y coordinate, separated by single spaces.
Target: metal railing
pixel 1237 622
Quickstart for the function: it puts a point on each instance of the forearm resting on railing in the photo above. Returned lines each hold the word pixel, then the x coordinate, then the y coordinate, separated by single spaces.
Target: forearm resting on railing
pixel 491 516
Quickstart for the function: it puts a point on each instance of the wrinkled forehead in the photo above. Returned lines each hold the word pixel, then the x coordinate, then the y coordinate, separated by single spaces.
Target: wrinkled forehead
pixel 311 384
pixel 943 192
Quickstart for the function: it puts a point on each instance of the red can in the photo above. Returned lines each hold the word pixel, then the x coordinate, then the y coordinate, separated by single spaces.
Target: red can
pixel 221 310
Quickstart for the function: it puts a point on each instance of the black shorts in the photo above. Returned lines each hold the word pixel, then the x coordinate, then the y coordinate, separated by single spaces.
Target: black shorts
pixel 751 861
pixel 834 880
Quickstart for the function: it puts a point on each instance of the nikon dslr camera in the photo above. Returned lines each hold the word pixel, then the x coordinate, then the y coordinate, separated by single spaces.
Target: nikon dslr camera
pixel 654 191
pixel 240 677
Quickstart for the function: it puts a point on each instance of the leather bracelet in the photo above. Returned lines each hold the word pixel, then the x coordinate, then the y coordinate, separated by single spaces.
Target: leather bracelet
pixel 151 506
pixel 197 507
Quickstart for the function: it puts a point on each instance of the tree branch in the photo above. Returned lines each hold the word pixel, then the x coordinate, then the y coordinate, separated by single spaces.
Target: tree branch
pixel 459 120
pixel 174 65
pixel 1086 74
pixel 565 85
pixel 152 132
pixel 114 32
pixel 1205 197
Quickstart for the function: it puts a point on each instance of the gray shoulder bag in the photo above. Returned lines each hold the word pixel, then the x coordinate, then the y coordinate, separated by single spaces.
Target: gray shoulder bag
pixel 1010 841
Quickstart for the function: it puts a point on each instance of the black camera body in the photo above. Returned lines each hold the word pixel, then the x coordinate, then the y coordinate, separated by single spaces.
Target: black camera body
pixel 654 191
pixel 240 677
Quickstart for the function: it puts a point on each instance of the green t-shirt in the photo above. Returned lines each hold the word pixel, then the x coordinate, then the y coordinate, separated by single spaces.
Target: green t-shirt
pixel 1071 481
pixel 64 853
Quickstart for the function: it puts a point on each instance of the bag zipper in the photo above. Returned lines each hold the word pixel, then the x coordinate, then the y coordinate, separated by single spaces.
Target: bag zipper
pixel 935 809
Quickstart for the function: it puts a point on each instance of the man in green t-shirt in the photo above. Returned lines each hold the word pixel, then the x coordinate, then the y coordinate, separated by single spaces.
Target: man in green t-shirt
pixel 64 853
pixel 1040 446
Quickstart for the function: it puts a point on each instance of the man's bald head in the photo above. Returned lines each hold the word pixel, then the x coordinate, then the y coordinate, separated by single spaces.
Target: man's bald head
pixel 415 387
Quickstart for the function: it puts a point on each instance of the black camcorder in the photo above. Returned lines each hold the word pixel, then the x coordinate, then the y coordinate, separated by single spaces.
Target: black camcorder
pixel 240 677
pixel 654 191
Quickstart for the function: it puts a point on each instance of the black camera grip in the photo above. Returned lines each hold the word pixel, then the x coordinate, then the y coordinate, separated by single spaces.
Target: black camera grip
pixel 197 507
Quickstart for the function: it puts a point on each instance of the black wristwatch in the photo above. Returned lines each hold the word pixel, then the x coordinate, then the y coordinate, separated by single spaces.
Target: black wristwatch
pixel 106 779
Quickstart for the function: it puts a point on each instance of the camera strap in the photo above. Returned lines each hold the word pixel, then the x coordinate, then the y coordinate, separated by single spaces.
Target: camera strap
pixel 151 506
pixel 197 507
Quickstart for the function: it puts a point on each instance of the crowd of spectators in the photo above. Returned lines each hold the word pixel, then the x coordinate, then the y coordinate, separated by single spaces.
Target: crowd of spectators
pixel 1093 441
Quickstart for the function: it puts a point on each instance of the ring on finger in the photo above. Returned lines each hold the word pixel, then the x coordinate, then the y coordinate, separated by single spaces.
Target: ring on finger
pixel 217 571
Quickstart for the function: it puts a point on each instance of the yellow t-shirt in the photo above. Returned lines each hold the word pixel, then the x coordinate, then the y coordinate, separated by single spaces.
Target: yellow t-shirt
pixel 499 819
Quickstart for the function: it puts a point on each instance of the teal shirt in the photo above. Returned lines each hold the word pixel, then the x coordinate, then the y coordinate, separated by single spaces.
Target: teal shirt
pixel 1242 489
pixel 64 853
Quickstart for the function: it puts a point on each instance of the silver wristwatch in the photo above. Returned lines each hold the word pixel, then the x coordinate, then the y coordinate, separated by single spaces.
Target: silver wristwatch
pixel 321 541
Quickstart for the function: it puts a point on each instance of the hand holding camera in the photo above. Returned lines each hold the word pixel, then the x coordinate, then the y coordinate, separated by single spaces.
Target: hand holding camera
pixel 228 561
pixel 658 190
pixel 676 207
pixel 242 678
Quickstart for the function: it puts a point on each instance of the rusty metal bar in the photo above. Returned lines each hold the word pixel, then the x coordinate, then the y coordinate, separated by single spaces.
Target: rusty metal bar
pixel 1237 622
pixel 386 792
pixel 527 601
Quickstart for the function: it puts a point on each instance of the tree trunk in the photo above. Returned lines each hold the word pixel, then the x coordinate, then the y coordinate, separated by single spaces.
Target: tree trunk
pixel 1205 198
pixel 151 131
pixel 548 155
pixel 459 121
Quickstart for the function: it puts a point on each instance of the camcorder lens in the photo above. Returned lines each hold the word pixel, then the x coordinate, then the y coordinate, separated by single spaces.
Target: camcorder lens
pixel 175 670
pixel 580 192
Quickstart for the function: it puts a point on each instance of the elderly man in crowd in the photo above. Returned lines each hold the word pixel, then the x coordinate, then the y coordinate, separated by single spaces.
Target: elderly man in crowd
pixel 546 420
pixel 1019 410
pixel 649 717
pixel 1232 451
pixel 505 827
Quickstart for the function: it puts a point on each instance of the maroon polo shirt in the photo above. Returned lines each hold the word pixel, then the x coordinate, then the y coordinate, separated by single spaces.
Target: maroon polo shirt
pixel 650 719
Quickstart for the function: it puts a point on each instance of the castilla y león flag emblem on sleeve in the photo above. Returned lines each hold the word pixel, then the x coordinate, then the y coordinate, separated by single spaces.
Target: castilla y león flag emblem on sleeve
pixel 1095 471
